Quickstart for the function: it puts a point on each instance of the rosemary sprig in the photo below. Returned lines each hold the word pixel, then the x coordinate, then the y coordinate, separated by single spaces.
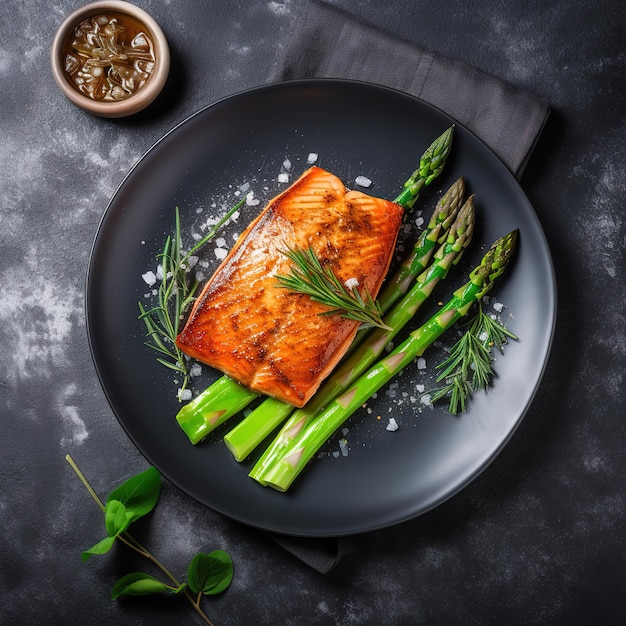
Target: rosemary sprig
pixel 308 276
pixel 469 365
pixel 176 291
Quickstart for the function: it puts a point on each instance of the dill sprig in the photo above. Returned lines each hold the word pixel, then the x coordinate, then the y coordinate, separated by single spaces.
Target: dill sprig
pixel 176 291
pixel 308 276
pixel 469 365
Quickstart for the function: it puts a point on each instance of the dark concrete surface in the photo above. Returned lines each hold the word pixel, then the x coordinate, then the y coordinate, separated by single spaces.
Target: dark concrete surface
pixel 538 538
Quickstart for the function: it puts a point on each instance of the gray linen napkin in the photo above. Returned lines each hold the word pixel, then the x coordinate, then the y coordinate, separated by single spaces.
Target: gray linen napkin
pixel 328 43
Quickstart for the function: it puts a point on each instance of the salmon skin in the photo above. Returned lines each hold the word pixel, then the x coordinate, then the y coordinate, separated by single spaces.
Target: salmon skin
pixel 268 338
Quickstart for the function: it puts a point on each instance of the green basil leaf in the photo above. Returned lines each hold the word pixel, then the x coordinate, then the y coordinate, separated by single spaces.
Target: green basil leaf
pixel 139 494
pixel 210 573
pixel 116 517
pixel 138 584
pixel 102 547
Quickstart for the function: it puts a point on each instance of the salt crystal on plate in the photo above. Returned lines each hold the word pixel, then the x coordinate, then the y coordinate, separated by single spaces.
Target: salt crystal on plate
pixel 251 200
pixel 283 177
pixel 149 278
pixel 184 395
pixel 195 370
pixel 311 158
pixel 392 425
pixel 362 181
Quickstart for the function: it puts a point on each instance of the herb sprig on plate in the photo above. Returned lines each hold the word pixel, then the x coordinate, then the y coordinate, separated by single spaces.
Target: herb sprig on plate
pixel 469 365
pixel 307 275
pixel 177 290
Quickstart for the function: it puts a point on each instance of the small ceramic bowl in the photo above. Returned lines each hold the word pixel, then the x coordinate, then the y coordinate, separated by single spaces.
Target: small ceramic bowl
pixel 113 66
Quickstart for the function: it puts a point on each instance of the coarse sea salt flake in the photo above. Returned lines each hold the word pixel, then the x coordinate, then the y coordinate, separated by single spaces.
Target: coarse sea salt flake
pixel 184 395
pixel 195 370
pixel 421 363
pixel 283 177
pixel 362 181
pixel 343 446
pixel 149 278
pixel 251 200
pixel 287 164
pixel 392 425
pixel 352 283
pixel 221 253
pixel 311 158
pixel 498 306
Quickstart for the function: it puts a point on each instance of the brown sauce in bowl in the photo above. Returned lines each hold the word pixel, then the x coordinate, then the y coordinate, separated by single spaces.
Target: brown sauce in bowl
pixel 109 57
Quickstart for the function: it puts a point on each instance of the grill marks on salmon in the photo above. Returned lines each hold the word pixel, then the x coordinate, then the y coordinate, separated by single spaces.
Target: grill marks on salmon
pixel 270 339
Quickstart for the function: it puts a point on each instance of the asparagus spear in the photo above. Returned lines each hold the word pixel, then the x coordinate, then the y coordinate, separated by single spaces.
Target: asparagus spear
pixel 215 405
pixel 249 433
pixel 223 399
pixel 436 231
pixel 295 457
pixel 431 165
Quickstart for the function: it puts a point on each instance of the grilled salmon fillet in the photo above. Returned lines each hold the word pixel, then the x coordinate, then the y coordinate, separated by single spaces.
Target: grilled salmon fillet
pixel 273 340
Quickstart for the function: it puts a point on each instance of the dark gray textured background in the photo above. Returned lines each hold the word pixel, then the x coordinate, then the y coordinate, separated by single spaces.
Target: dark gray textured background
pixel 537 539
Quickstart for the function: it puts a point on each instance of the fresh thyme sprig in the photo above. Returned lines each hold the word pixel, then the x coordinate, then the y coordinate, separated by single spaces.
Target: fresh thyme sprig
pixel 469 365
pixel 175 293
pixel 308 276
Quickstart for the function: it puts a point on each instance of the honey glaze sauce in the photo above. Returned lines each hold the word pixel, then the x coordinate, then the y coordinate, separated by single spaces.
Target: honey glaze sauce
pixel 109 57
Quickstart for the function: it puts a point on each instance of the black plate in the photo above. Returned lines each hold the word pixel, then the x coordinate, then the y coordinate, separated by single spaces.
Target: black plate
pixel 356 129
